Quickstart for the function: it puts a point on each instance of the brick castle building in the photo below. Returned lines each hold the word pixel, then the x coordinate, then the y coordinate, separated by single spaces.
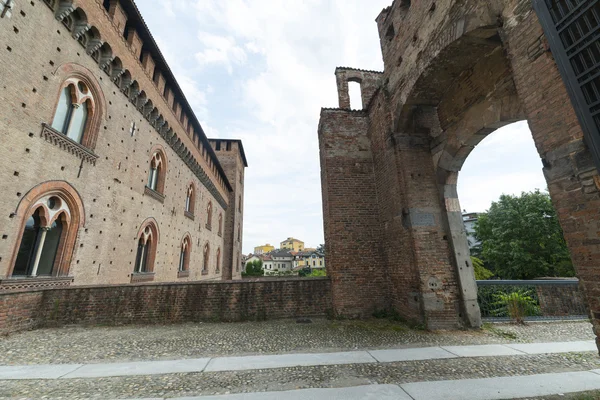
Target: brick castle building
pixel 106 173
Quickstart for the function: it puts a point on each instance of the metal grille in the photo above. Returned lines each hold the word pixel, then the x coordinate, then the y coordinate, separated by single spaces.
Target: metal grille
pixel 543 299
pixel 573 31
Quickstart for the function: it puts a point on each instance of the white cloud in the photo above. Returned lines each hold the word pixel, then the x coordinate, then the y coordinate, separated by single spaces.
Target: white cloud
pixel 506 162
pixel 219 50
pixel 260 70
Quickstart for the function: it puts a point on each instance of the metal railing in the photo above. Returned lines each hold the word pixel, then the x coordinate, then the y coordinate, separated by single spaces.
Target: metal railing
pixel 558 299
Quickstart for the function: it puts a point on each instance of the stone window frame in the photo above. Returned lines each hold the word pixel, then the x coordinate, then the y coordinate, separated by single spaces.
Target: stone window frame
pixel 185 251
pixel 209 212
pixel 149 234
pixel 159 159
pixel 218 263
pixel 74 220
pixel 220 232
pixel 205 258
pixel 72 74
pixel 190 201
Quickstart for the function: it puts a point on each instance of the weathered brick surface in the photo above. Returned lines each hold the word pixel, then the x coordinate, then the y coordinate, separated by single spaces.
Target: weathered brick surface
pixel 454 72
pixel 165 303
pixel 561 300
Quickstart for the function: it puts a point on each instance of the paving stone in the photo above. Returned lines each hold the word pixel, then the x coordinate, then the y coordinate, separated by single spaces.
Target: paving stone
pixel 482 350
pixel 504 387
pixel 37 371
pixel 139 368
pixel 287 360
pixel 423 353
pixel 562 347
pixel 379 392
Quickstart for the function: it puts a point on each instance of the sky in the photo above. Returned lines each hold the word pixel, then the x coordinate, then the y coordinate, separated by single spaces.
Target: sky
pixel 260 71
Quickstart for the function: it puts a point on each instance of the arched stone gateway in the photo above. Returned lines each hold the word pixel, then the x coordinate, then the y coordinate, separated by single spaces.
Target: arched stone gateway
pixel 454 72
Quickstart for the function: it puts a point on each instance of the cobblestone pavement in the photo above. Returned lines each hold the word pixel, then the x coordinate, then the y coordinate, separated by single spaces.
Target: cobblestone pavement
pixel 132 343
pixel 194 384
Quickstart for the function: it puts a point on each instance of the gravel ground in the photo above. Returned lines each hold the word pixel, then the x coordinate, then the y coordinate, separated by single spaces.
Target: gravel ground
pixel 112 344
pixel 177 385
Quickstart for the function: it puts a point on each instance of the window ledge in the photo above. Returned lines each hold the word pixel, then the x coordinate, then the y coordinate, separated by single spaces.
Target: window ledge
pixel 154 194
pixel 189 215
pixel 204 272
pixel 183 274
pixel 138 277
pixel 220 234
pixel 62 141
pixel 209 227
pixel 38 282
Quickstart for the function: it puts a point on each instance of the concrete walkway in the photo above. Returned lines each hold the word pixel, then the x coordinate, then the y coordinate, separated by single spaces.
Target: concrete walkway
pixel 222 364
pixel 468 389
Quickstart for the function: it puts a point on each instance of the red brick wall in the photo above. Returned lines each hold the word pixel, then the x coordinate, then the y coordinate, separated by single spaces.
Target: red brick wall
pixel 453 74
pixel 572 178
pixel 165 303
pixel 352 226
pixel 561 300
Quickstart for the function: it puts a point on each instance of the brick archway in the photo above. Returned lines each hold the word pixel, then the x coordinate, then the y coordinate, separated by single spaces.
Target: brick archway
pixel 474 67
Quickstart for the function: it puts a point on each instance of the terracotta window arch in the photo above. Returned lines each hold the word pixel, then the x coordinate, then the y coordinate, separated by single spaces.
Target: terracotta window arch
pixel 205 258
pixel 190 200
pixel 184 256
pixel 220 224
pixel 147 241
pixel 158 171
pixel 75 114
pixel 209 210
pixel 218 268
pixel 52 214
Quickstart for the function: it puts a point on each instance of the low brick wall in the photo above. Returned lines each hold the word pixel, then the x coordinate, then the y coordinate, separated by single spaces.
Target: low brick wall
pixel 556 298
pixel 165 303
pixel 561 301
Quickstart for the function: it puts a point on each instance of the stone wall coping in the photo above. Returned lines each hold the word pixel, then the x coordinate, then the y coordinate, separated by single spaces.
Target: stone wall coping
pixel 358 69
pixel 346 110
pixel 536 282
pixel 166 284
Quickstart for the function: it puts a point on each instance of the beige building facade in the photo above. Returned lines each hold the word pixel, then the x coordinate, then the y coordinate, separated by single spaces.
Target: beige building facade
pixel 106 172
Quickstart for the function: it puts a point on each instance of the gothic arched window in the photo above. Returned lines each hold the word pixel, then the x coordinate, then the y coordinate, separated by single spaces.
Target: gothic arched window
pixel 209 215
pixel 218 269
pixel 146 248
pixel 158 169
pixel 190 199
pixel 74 109
pixel 184 255
pixel 205 258
pixel 51 218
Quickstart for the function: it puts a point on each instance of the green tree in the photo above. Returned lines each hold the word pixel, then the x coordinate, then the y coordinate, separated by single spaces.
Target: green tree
pixel 522 239
pixel 254 268
pixel 481 272
pixel 321 248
